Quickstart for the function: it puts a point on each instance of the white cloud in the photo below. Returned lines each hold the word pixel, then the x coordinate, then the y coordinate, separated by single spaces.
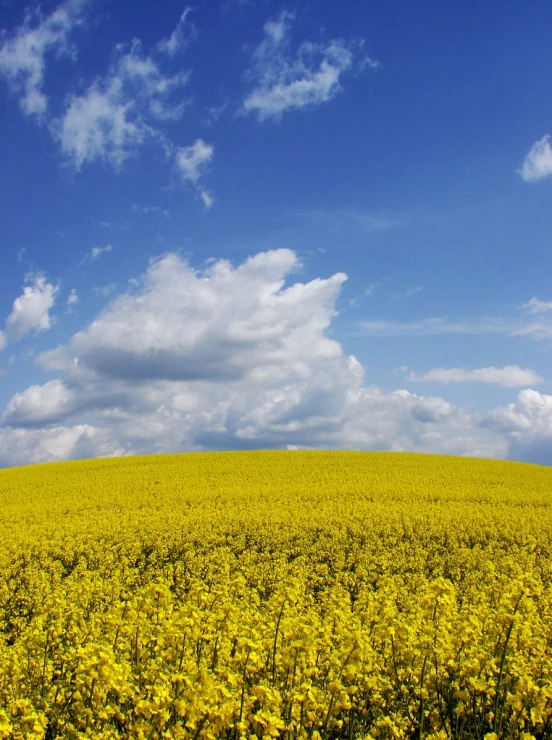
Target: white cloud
pixel 97 126
pixel 26 446
pixel 224 324
pixel 119 113
pixel 72 298
pixel 214 112
pixel 39 404
pixel 537 330
pixel 542 327
pixel 147 210
pixel 30 311
pixel 180 37
pixel 283 82
pixel 207 199
pixel 435 326
pixel 527 424
pixel 538 161
pixel 192 160
pixel 233 357
pixel 537 306
pixel 23 57
pixel 346 219
pixel 405 294
pixel 104 291
pixel 97 251
pixel 509 376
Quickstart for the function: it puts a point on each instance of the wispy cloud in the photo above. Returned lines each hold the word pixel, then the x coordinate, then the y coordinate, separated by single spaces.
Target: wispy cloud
pixel 180 38
pixel 434 326
pixel 214 112
pixel 537 306
pixel 191 162
pixel 403 295
pixel 284 82
pixel 148 210
pixel 510 376
pixel 94 253
pixel 122 110
pixel 119 112
pixel 542 327
pixel 23 56
pixel 538 161
pixel 97 251
pixel 72 298
pixel 338 219
pixel 105 290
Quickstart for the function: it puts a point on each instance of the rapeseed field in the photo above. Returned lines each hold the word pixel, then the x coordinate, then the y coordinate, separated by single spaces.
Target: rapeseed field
pixel 276 595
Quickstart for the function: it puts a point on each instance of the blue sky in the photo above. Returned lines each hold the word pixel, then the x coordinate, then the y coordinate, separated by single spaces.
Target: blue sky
pixel 255 224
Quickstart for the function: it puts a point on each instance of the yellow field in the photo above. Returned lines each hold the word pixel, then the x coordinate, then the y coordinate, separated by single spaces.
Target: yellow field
pixel 276 595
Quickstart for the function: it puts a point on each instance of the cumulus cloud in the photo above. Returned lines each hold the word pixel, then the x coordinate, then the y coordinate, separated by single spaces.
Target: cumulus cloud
pixel 30 311
pixel 233 357
pixel 284 82
pixel 226 323
pixel 23 56
pixel 39 405
pixel 509 376
pixel 538 161
pixel 527 425
pixel 27 447
pixel 119 112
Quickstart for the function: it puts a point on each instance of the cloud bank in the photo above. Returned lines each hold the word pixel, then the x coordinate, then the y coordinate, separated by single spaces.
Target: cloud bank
pixel 238 357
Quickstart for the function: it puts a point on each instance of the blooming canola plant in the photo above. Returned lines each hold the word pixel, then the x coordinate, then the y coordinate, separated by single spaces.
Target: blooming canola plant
pixel 276 594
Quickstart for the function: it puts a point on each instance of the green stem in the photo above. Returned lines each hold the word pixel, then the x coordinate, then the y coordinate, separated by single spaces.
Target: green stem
pixel 496 717
pixel 275 641
pixel 44 664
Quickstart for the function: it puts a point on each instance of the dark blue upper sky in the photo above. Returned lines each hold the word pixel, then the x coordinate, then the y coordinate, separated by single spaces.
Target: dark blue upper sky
pixel 184 190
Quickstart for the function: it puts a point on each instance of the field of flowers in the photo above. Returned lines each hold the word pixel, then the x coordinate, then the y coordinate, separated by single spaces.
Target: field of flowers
pixel 276 595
